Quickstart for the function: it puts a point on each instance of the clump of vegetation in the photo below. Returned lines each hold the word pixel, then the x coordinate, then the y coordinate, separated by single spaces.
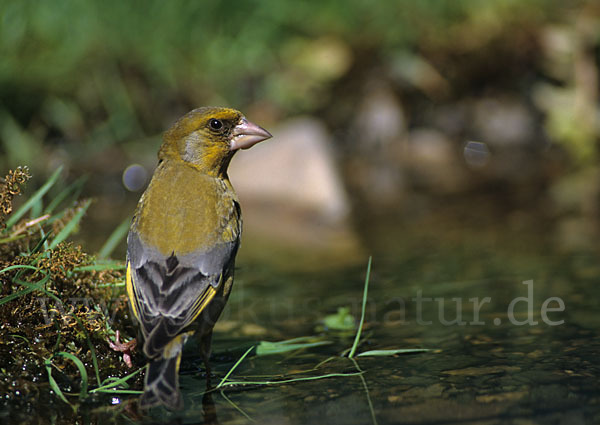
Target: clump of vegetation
pixel 57 303
pixel 11 187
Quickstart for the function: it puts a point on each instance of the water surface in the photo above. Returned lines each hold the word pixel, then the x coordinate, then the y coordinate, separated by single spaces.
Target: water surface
pixel 475 301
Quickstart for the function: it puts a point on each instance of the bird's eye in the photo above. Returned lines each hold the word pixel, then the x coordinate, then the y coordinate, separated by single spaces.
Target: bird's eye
pixel 215 124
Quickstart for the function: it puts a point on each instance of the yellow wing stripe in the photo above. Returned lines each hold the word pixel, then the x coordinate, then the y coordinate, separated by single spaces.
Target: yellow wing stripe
pixel 174 347
pixel 198 306
pixel 131 293
pixel 203 301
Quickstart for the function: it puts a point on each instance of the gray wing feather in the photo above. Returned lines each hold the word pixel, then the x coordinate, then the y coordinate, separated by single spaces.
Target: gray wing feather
pixel 166 290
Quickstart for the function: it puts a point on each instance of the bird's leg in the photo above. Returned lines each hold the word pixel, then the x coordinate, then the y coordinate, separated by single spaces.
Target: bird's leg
pixel 124 347
pixel 209 409
pixel 205 343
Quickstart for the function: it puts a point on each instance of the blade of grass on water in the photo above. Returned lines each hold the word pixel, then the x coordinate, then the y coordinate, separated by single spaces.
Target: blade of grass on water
pixel 266 348
pixel 33 199
pixel 287 381
pixel 366 387
pixel 236 407
pixel 297 340
pixel 393 352
pixel 234 367
pixel 362 315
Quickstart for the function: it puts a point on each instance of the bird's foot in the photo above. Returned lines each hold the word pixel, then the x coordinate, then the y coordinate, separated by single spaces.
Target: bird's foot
pixel 124 347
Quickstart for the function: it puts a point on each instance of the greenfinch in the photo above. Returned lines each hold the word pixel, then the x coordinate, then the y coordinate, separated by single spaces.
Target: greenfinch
pixel 182 243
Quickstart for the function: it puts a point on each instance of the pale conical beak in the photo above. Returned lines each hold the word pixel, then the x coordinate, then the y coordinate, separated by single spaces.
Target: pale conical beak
pixel 246 134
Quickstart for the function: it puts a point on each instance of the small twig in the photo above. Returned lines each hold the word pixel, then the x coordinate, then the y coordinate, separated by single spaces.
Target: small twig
pixel 20 229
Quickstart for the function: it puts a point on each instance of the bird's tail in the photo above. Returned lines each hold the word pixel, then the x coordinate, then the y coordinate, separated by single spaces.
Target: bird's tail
pixel 161 385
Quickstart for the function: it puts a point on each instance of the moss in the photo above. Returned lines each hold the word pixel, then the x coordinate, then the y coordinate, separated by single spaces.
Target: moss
pixel 71 309
pixel 10 187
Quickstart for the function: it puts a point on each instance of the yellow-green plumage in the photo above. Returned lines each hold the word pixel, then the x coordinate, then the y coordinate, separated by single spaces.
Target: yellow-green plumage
pixel 182 243
pixel 198 216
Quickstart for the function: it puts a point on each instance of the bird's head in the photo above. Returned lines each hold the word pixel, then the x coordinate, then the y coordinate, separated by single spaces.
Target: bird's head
pixel 208 137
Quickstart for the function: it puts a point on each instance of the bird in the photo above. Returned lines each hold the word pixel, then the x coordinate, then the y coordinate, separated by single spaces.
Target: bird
pixel 182 244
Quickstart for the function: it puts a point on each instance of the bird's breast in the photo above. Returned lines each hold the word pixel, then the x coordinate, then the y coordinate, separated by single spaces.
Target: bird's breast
pixel 185 211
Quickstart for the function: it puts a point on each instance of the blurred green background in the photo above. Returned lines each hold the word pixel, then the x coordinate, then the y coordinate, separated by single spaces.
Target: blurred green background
pixel 482 114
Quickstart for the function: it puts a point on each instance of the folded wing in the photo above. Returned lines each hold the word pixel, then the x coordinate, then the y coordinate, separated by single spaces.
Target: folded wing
pixel 168 294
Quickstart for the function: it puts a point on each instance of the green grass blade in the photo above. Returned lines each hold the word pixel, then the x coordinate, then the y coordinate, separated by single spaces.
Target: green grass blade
pixel 234 367
pixel 365 386
pixel 83 393
pixel 30 287
pixel 18 266
pixel 20 146
pixel 39 286
pixel 115 391
pixel 266 348
pixel 21 337
pixel 57 343
pixel 55 217
pixel 287 381
pixel 119 284
pixel 42 242
pixel 53 383
pixel 36 208
pixel 91 347
pixel 101 266
pixel 114 239
pixel 299 339
pixel 111 386
pixel 362 315
pixel 12 238
pixel 393 352
pixel 74 188
pixel 16 216
pixel 71 225
pixel 236 407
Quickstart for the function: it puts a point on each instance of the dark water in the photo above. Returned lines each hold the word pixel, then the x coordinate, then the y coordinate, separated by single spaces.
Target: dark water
pixel 513 332
pixel 529 355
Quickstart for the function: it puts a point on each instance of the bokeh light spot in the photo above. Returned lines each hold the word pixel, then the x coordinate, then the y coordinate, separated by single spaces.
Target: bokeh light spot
pixel 477 154
pixel 135 177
